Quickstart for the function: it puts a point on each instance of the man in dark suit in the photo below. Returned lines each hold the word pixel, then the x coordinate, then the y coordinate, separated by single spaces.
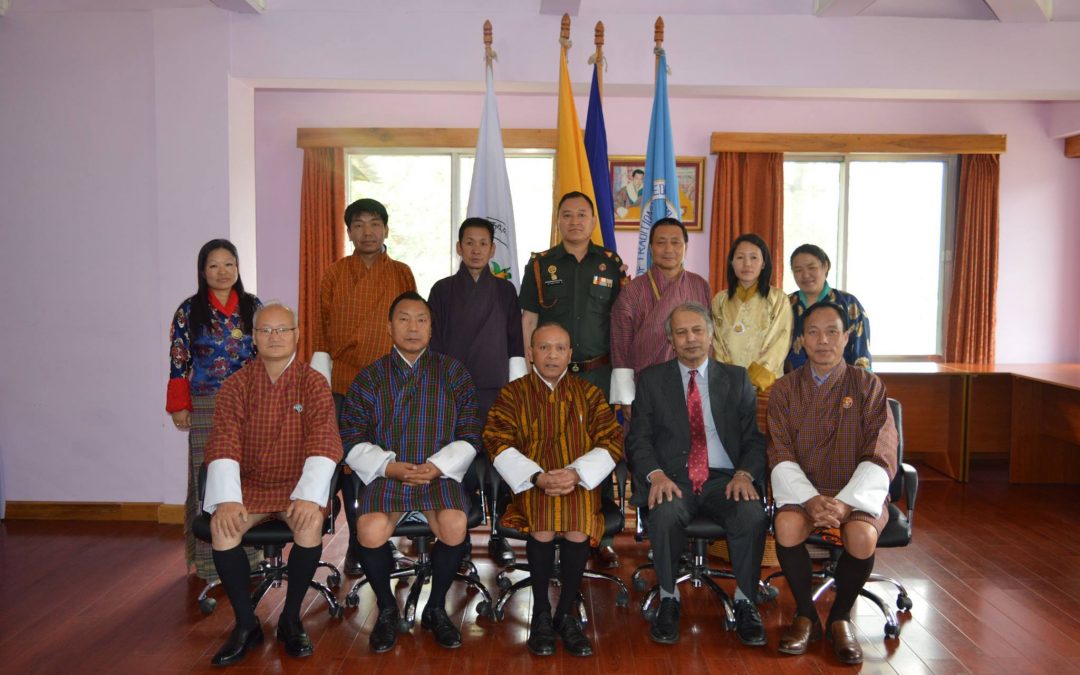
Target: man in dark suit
pixel 694 442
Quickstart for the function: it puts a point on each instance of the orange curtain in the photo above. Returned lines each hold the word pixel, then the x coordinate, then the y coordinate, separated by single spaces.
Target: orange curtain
pixel 748 198
pixel 971 314
pixel 322 231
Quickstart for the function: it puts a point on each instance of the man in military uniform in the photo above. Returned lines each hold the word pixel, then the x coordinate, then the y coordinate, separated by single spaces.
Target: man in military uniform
pixel 575 284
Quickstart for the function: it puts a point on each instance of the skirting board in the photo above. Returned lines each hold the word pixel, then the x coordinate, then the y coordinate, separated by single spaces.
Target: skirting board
pixel 156 512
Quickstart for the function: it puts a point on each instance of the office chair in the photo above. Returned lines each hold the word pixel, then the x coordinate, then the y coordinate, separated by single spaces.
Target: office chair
pixel 272 535
pixel 421 536
pixel 897 533
pixel 614 520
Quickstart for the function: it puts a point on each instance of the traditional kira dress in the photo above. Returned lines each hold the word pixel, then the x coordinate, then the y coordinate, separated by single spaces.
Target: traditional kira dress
pixel 553 427
pixel 198 364
pixel 412 412
pixel 857 352
pixel 753 332
pixel 829 429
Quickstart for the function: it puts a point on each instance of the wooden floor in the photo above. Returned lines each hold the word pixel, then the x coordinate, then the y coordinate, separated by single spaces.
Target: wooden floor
pixel 994 572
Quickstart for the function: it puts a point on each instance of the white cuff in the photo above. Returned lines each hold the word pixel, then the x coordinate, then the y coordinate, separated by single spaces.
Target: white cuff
pixel 223 484
pixel 321 362
pixel 454 459
pixel 518 367
pixel 516 469
pixel 368 461
pixel 790 484
pixel 867 489
pixel 622 386
pixel 314 483
pixel 593 467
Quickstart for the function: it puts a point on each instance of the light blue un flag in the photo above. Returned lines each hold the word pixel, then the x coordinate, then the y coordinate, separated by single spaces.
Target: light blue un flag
pixel 660 192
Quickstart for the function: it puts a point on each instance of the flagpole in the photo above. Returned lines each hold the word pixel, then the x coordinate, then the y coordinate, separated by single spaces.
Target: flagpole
pixel 658 37
pixel 598 56
pixel 564 43
pixel 489 53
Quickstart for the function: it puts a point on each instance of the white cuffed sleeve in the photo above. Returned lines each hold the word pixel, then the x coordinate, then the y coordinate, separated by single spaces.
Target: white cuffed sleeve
pixel 368 461
pixel 516 469
pixel 314 483
pixel 518 367
pixel 593 467
pixel 622 386
pixel 867 489
pixel 321 362
pixel 222 484
pixel 790 484
pixel 454 459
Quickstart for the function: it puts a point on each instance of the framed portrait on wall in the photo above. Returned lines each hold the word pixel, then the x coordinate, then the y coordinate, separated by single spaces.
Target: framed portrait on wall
pixel 627 182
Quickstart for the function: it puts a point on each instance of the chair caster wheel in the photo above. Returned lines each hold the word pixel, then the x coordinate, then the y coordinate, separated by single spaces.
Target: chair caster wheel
pixel 484 609
pixel 767 594
pixel 333 581
pixel 207 605
pixel 639 585
pixel 904 603
pixel 649 614
pixel 336 611
pixel 352 600
pixel 497 613
pixel 891 632
pixel 404 626
pixel 729 624
pixel 503 583
pixel 622 599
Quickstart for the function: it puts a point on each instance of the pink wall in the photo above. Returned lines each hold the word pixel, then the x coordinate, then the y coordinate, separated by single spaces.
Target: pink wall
pixel 1040 205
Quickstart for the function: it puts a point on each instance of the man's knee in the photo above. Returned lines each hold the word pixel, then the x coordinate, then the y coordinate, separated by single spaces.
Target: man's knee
pixel 309 536
pixel 668 515
pixel 792 528
pixel 373 529
pixel 749 518
pixel 576 537
pixel 860 539
pixel 450 526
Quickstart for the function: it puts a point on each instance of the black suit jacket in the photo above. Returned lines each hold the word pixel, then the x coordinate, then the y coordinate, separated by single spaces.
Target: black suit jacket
pixel 660 426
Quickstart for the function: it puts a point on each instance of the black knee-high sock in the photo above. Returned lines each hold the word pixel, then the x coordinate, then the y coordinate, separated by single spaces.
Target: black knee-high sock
pixel 235 572
pixel 795 562
pixel 572 559
pixel 851 575
pixel 348 497
pixel 378 563
pixel 302 564
pixel 445 561
pixel 541 557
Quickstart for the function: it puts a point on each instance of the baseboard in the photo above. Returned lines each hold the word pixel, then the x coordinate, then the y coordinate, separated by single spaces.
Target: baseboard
pixel 154 512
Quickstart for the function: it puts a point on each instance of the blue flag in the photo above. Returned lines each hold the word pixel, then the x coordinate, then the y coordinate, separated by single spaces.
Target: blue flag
pixel 660 192
pixel 596 150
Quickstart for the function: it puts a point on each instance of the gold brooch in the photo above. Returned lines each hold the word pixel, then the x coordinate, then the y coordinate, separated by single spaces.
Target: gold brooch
pixel 237 333
pixel 846 403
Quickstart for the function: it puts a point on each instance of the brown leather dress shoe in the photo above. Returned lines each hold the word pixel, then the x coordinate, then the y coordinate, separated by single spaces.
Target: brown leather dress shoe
pixel 844 644
pixel 605 557
pixel 798 636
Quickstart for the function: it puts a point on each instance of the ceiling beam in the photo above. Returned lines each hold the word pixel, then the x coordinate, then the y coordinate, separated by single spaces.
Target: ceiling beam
pixel 242 6
pixel 1018 11
pixel 1072 146
pixel 835 8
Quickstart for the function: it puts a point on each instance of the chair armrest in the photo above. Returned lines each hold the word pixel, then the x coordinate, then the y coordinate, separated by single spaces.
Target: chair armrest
pixel 911 488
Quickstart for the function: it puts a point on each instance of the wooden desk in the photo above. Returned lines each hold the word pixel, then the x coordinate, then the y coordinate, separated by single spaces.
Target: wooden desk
pixel 1029 413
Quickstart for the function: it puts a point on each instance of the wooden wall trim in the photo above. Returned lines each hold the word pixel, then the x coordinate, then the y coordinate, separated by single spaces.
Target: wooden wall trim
pixel 153 512
pixel 417 138
pixel 1072 146
pixel 931 144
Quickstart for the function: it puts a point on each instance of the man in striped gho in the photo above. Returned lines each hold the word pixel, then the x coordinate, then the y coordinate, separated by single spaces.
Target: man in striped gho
pixel 410 428
pixel 553 439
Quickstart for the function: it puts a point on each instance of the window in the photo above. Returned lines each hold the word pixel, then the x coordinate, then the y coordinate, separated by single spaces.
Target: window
pixel 426 193
pixel 886 223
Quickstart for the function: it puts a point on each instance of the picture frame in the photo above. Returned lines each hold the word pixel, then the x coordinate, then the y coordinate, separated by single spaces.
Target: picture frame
pixel 691 175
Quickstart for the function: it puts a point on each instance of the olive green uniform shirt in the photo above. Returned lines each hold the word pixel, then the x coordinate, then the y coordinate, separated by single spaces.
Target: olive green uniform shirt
pixel 579 297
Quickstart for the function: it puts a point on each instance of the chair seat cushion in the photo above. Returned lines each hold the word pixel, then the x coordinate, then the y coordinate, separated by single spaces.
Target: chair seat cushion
pixel 412 528
pixel 897 532
pixel 703 527
pixel 614 521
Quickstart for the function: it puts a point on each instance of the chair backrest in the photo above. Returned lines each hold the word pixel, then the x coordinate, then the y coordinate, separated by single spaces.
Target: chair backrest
pixel 896 487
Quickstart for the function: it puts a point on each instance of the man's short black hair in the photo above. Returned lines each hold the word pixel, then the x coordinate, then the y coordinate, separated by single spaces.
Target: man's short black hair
pixel 476 222
pixel 825 304
pixel 575 194
pixel 669 221
pixel 366 205
pixel 547 324
pixel 635 172
pixel 407 295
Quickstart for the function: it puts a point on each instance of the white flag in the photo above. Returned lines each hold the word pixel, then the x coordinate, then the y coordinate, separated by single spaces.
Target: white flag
pixel 489 195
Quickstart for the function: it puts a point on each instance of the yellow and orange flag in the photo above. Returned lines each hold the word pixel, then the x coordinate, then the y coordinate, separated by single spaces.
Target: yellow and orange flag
pixel 571 162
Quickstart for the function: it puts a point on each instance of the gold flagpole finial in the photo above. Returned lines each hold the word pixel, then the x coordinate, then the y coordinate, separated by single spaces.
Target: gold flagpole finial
pixel 564 32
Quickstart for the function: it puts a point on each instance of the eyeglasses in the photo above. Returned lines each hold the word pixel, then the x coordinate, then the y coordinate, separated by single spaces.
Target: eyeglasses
pixel 267 332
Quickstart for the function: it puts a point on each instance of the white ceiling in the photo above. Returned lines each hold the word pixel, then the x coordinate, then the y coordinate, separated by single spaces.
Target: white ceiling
pixel 977 10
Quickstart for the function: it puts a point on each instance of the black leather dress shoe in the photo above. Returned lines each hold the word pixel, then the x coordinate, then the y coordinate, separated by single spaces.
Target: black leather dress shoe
pixel 748 625
pixel 352 564
pixel 500 551
pixel 235 648
pixel 665 628
pixel 295 638
pixel 541 635
pixel 605 557
pixel 438 622
pixel 384 634
pixel 573 638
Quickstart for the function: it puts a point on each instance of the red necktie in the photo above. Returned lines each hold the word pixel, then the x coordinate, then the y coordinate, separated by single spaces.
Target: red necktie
pixel 699 449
